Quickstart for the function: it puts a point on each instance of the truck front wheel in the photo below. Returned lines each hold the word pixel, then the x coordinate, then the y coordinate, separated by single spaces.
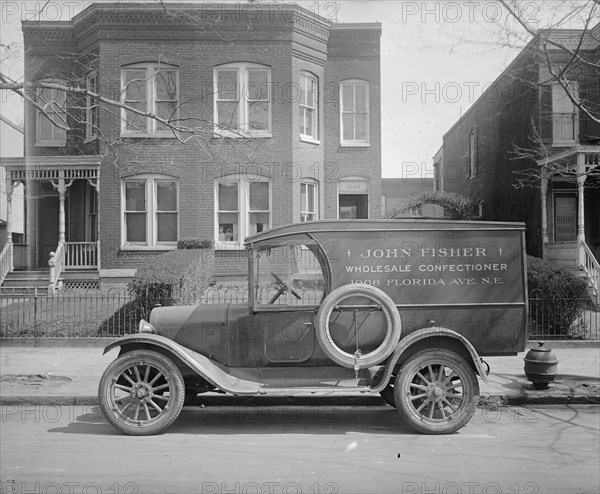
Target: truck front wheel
pixel 141 393
pixel 436 391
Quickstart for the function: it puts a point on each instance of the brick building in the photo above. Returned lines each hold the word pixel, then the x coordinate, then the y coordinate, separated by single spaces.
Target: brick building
pixel 526 129
pixel 277 120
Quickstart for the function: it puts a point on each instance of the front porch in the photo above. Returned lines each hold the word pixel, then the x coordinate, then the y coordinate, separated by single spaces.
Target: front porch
pixel 570 188
pixel 61 242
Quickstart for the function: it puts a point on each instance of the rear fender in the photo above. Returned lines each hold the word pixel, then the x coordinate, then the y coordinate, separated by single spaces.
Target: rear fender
pixel 434 337
pixel 217 375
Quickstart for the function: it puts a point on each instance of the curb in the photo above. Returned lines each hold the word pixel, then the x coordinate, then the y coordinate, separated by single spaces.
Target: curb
pixel 333 401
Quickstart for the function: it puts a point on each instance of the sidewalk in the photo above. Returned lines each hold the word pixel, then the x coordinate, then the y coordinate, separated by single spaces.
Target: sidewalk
pixel 53 375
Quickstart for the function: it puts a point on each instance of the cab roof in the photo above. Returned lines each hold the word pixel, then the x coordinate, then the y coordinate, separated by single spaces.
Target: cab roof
pixel 390 225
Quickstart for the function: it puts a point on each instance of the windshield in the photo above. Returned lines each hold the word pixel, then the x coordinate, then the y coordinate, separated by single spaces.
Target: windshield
pixel 289 273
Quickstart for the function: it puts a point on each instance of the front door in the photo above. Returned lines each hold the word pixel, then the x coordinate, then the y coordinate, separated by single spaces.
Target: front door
pixel 354 206
pixel 47 228
pixel 565 218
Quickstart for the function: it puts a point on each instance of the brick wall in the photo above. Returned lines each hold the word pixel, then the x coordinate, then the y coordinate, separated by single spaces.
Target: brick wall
pixel 353 54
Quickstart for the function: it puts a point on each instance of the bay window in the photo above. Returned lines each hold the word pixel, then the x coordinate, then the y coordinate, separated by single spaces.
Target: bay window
pixel 150 211
pixel 91 107
pixel 309 126
pixel 308 201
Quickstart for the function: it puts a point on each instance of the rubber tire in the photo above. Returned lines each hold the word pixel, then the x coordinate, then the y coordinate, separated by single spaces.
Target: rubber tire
pixel 420 360
pixel 378 355
pixel 173 407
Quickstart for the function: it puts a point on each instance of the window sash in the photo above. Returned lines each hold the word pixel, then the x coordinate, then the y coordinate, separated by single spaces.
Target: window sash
pixel 354 112
pixel 473 163
pixel 149 224
pixel 308 107
pixel 245 108
pixel 248 216
pixel 53 101
pixel 91 108
pixel 308 201
pixel 152 89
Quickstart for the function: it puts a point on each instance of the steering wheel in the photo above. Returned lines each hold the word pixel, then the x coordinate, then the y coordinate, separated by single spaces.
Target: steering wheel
pixel 282 288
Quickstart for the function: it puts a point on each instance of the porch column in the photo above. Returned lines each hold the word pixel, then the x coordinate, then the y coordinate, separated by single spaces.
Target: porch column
pixel 581 176
pixel 9 192
pixel 544 189
pixel 61 210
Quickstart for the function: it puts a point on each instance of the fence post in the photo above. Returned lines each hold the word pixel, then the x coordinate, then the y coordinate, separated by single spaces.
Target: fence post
pixel 35 310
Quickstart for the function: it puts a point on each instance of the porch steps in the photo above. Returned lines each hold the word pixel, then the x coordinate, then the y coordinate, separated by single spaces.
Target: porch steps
pixel 24 282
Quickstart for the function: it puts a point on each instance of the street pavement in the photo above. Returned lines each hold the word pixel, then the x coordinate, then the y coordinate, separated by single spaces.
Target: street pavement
pixel 59 375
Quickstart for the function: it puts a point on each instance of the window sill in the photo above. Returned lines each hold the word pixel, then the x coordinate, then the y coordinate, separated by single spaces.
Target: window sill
pixel 143 135
pixel 50 144
pixel 309 140
pixel 563 144
pixel 355 144
pixel 225 246
pixel 134 247
pixel 241 135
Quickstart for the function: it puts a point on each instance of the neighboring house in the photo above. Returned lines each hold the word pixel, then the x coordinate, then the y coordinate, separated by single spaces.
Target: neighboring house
pixel 11 144
pixel 286 108
pixel 525 127
pixel 395 193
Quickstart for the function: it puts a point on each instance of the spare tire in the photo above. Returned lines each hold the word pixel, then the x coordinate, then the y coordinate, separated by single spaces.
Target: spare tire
pixel 343 355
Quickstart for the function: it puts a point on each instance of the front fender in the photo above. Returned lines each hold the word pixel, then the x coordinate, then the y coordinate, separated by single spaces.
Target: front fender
pixel 404 345
pixel 218 375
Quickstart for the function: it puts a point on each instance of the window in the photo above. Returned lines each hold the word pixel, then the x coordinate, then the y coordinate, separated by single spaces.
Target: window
pixel 243 207
pixel 153 89
pixel 91 107
pixel 559 114
pixel 91 209
pixel 308 201
pixel 309 112
pixel 243 100
pixel 54 102
pixel 298 264
pixel 472 154
pixel 354 106
pixel 150 211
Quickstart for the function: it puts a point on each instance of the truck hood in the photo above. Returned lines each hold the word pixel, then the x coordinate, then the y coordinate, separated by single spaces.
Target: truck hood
pixel 202 328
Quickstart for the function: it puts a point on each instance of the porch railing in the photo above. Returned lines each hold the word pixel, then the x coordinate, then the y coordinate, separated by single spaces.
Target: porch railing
pixel 56 263
pixel 564 254
pixel 591 267
pixel 6 262
pixel 81 255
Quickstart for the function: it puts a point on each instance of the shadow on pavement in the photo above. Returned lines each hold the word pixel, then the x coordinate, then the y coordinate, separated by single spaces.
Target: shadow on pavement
pixel 291 419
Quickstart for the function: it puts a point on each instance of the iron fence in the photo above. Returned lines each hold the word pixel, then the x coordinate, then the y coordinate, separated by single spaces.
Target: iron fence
pixel 565 319
pixel 93 313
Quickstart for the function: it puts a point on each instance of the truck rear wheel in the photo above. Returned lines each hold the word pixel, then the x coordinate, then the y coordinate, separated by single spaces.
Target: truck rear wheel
pixel 141 393
pixel 436 391
pixel 358 325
